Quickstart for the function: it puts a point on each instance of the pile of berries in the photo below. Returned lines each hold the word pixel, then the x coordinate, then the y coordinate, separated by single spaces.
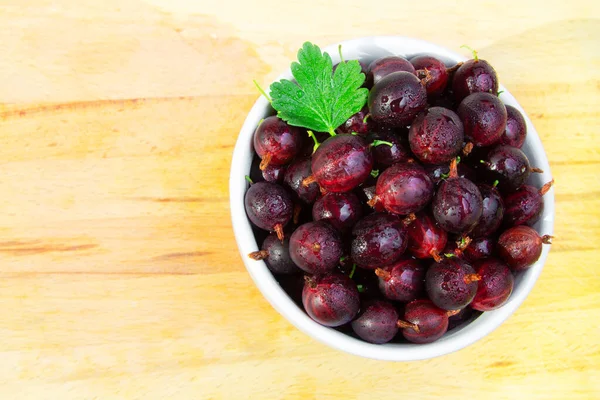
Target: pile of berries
pixel 414 216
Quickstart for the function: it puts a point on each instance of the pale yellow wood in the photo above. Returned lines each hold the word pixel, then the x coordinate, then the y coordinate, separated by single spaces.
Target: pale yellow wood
pixel 120 277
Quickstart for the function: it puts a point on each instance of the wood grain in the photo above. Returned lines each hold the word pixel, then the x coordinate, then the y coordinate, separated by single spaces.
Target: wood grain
pixel 120 275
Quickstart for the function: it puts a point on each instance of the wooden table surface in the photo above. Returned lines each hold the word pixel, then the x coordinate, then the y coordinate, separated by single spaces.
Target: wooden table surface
pixel 120 276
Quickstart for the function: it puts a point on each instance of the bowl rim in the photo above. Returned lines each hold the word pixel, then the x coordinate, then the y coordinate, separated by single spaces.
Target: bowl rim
pixel 267 284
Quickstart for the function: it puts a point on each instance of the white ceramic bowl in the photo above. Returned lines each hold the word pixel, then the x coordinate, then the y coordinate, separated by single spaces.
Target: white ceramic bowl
pixel 368 49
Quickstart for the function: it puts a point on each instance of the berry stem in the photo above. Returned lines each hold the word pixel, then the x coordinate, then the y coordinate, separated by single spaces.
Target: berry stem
pixel 340 51
pixel 475 57
pixel 373 201
pixel 436 256
pixel 259 255
pixel 383 274
pixel 467 149
pixel 262 92
pixel 279 231
pixel 308 180
pixel 537 170
pixel 314 138
pixel 310 281
pixel 547 239
pixel 264 163
pixel 407 325
pixel 546 187
pixel 366 118
pixel 380 142
pixel 463 243
pixel 352 271
pixel 409 219
pixel 453 169
pixel 452 313
pixel 470 278
pixel 249 180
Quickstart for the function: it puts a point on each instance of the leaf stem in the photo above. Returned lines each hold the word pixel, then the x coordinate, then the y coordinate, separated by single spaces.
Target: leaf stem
pixel 262 91
pixel 331 131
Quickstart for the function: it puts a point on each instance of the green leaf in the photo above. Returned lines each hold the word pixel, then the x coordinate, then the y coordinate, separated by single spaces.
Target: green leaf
pixel 319 100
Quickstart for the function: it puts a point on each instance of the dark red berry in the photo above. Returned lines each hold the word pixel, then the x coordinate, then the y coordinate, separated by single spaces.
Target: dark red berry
pixel 396 99
pixel 384 66
pixel 358 123
pixel 316 247
pixel 484 118
pixel 525 205
pixel 426 239
pixel 294 177
pixel 509 166
pixel 436 136
pixel 342 210
pixel 451 284
pixel 423 322
pixel 474 76
pixel 457 204
pixel 272 173
pixel 377 323
pixel 438 79
pixel 516 128
pixel 404 188
pixel 269 206
pixel 385 155
pixel 492 212
pixel 479 248
pixel 403 281
pixel 276 255
pixel 331 300
pixel 276 142
pixel 494 287
pixel 379 239
pixel 341 163
pixel 521 246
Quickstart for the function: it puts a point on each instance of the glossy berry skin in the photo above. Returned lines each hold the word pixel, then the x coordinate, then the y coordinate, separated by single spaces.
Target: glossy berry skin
pixel 271 173
pixel 509 166
pixel 402 281
pixel 278 259
pixel 385 155
pixel 472 77
pixel 521 246
pixel 438 73
pixel 342 162
pixel 331 300
pixel 523 206
pixel 268 205
pixel 277 140
pixel 397 99
pixel 479 249
pixel 495 286
pixel 426 239
pixel 376 323
pixel 457 205
pixel 438 173
pixel 492 212
pixel 431 321
pixel 484 118
pixel 357 123
pixel 404 188
pixel 379 239
pixel 341 210
pixel 448 283
pixel 316 247
pixel 293 177
pixel 436 135
pixel 384 66
pixel 516 128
